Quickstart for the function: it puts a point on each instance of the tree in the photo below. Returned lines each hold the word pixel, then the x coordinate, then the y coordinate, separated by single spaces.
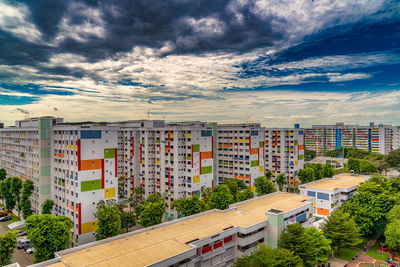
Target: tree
pixel 108 219
pixel 318 171
pixel 47 206
pixel 127 220
pixel 48 234
pixel 3 174
pixel 285 257
pixel 328 170
pixel 306 175
pixel 27 190
pixel 221 197
pixel 393 159
pixel 7 193
pixel 268 174
pixel 264 186
pixel 7 245
pixel 188 206
pixel 392 234
pixel 367 167
pixel 370 207
pixel 135 200
pixel 205 194
pixel 295 239
pixel 16 186
pixel 321 245
pixel 354 165
pixel 268 257
pixel 309 154
pixel 245 195
pixel 394 213
pixel 153 210
pixel 341 229
pixel 281 181
pixel 235 186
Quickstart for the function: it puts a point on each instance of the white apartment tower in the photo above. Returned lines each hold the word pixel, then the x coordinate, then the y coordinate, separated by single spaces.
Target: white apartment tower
pixel 25 153
pixel 83 172
pixel 174 159
pixel 240 152
pixel 284 151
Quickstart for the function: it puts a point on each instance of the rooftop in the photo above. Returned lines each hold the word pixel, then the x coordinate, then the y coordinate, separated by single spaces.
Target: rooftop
pixel 148 247
pixel 339 181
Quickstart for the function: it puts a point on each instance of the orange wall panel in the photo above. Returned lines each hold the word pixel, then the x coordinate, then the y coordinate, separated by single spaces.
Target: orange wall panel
pixel 323 211
pixel 254 151
pixel 206 155
pixel 91 164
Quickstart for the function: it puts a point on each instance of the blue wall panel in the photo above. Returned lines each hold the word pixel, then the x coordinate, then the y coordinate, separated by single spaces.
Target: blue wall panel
pixel 87 134
pixel 206 133
pixel 311 193
pixel 301 218
pixel 323 196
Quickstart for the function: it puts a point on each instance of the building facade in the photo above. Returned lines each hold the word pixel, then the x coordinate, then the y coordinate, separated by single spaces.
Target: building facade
pixel 240 152
pixel 25 153
pixel 174 159
pixel 330 193
pixel 372 138
pixel 84 170
pixel 284 151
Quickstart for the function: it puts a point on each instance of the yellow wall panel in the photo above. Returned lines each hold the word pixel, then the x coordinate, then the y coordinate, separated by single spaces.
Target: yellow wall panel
pixel 109 192
pixel 89 227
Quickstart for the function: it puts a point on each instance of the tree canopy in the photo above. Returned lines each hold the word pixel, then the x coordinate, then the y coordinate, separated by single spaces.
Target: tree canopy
pixel 108 219
pixel 221 197
pixel 188 206
pixel 48 234
pixel 393 159
pixel 3 174
pixel 341 229
pixel 27 190
pixel 281 181
pixel 392 231
pixel 153 210
pixel 264 186
pixel 7 245
pixel 47 206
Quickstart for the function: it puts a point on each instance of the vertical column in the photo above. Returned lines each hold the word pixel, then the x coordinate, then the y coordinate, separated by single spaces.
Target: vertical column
pixel 43 184
pixel 275 225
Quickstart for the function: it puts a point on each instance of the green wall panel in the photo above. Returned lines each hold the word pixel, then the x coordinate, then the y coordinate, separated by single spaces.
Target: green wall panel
pixel 44 129
pixel 261 144
pixel 109 153
pixel 206 170
pixel 301 157
pixel 45 189
pixel 45 152
pixel 90 185
pixel 254 163
pixel 45 171
pixel 196 148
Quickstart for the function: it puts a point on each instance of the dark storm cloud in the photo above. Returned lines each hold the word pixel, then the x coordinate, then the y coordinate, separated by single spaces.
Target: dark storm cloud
pixel 129 23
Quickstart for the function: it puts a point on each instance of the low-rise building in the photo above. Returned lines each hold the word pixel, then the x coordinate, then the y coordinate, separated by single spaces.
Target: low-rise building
pixel 330 193
pixel 212 238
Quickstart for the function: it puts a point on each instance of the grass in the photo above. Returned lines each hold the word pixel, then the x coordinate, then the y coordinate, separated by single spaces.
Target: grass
pixel 342 170
pixel 373 252
pixel 13 219
pixel 346 253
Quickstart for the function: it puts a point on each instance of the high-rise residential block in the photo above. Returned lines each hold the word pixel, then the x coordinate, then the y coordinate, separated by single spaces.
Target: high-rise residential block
pixel 372 138
pixel 284 151
pixel 84 170
pixel 174 159
pixel 240 152
pixel 25 153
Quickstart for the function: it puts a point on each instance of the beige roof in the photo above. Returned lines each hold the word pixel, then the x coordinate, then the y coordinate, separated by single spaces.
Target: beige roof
pixel 158 244
pixel 341 181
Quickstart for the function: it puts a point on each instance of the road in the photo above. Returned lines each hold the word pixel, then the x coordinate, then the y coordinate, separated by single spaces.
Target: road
pixel 19 254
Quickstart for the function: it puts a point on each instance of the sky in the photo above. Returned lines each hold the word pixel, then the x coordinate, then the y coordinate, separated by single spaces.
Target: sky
pixel 276 62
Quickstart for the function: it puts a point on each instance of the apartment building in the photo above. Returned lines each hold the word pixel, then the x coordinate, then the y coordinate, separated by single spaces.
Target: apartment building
pixel 212 238
pixel 25 153
pixel 284 151
pixel 330 193
pixel 372 138
pixel 240 152
pixel 174 159
pixel 396 137
pixel 84 170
